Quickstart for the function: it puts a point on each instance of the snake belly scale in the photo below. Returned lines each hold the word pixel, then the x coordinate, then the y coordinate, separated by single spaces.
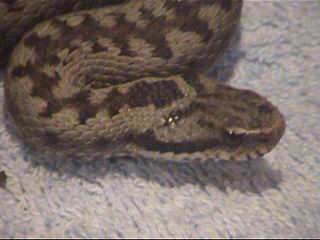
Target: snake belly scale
pixel 126 79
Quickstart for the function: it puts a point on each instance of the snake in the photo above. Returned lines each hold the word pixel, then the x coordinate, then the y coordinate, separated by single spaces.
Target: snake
pixel 98 79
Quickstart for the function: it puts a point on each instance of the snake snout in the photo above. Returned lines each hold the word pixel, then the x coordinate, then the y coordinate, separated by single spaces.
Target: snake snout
pixel 251 126
pixel 263 138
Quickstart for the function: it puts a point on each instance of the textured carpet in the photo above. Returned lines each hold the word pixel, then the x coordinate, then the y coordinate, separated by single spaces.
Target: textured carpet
pixel 278 55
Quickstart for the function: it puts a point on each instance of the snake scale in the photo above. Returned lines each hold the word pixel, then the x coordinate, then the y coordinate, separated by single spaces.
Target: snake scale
pixel 128 79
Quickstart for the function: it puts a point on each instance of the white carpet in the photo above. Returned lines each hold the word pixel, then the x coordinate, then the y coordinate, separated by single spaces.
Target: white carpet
pixel 279 196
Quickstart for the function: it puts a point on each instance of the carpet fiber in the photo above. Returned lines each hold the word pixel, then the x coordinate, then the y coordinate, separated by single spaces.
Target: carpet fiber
pixel 277 55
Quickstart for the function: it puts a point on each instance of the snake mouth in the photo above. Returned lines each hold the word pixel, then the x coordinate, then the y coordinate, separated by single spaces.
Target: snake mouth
pixel 269 137
pixel 261 141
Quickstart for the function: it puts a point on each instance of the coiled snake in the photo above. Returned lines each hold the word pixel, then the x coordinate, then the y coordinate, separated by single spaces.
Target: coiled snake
pixel 126 79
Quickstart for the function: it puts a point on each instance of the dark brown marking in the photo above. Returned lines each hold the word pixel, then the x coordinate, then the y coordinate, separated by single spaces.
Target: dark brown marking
pixel 51 138
pixel 114 102
pixel 42 86
pixel 60 24
pixel 85 114
pixel 89 21
pixel 206 124
pixel 159 93
pixel 192 23
pixel 193 80
pixel 31 39
pixel 226 5
pixel 101 143
pixel 126 51
pixel 98 48
pixel 155 35
pixel 53 59
pixel 40 44
pixel 81 102
pixel 121 33
pixel 39 14
pixel 19 71
pixel 3 179
pixel 51 108
pixel 43 49
pixel 238 108
pixel 148 141
pixel 72 48
pixel 43 83
pixel 233 139
pixel 141 94
pixel 265 108
pixel 46 49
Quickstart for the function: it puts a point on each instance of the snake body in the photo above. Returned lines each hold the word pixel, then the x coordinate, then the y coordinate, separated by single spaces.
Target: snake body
pixel 126 79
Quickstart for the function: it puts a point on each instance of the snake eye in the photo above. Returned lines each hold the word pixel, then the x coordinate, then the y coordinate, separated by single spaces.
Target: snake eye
pixel 233 138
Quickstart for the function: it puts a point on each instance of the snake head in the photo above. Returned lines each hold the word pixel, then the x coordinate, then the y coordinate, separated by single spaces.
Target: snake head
pixel 248 125
pixel 229 124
